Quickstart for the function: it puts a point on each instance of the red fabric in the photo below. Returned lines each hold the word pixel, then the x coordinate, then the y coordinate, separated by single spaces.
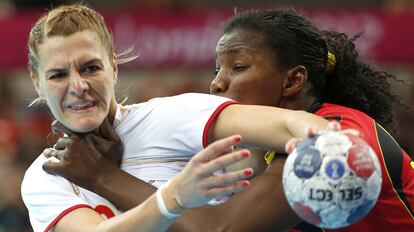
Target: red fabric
pixel 212 118
pixel 389 214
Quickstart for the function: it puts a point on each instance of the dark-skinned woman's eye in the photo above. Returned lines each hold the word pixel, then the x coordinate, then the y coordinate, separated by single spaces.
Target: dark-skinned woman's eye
pixel 239 67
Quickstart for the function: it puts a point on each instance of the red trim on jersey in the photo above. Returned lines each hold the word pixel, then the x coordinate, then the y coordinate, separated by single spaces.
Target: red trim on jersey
pixel 61 215
pixel 212 118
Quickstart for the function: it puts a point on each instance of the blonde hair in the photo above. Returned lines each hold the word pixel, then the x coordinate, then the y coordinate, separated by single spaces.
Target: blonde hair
pixel 67 20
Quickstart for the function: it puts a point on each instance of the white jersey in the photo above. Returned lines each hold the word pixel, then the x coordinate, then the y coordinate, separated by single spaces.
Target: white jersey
pixel 159 137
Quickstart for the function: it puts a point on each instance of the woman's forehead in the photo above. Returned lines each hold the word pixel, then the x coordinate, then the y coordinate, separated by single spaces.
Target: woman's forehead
pixel 61 49
pixel 241 36
pixel 241 41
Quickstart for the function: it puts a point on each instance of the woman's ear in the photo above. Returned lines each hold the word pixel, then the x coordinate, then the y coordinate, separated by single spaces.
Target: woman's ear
pixel 295 81
pixel 35 79
pixel 115 67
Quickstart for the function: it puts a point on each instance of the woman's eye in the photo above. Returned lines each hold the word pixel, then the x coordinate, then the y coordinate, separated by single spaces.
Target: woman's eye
pixel 58 75
pixel 92 68
pixel 216 72
pixel 239 67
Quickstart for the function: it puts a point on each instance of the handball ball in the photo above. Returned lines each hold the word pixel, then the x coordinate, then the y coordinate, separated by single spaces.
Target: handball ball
pixel 332 179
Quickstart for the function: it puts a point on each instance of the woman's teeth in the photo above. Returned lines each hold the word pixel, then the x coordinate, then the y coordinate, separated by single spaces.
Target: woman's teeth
pixel 81 106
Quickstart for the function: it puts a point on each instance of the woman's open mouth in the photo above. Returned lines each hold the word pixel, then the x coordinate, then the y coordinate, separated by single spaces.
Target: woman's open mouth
pixel 82 106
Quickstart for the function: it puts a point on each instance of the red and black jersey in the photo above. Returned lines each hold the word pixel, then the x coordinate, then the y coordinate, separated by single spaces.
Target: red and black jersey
pixel 394 208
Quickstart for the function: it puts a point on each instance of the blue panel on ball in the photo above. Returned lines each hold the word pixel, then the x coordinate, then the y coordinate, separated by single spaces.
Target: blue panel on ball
pixel 360 212
pixel 335 169
pixel 307 163
pixel 307 142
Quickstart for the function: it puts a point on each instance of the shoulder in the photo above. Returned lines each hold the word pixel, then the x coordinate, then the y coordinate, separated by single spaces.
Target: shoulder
pixel 333 109
pixel 36 181
pixel 348 117
pixel 47 197
pixel 178 104
pixel 34 171
pixel 191 98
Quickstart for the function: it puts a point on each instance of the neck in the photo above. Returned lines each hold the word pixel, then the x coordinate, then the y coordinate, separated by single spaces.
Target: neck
pixel 112 111
pixel 301 101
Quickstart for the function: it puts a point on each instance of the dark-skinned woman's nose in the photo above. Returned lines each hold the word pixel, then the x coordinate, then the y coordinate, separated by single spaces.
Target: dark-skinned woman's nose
pixel 218 85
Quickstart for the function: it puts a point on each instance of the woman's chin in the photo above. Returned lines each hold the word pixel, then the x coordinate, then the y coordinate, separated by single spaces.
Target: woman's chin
pixel 83 127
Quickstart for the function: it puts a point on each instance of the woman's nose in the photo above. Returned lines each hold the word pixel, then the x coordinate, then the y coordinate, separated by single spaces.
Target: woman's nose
pixel 219 85
pixel 78 85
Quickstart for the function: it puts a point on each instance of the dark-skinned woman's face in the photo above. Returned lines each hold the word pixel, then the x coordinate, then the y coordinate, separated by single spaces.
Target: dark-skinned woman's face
pixel 246 69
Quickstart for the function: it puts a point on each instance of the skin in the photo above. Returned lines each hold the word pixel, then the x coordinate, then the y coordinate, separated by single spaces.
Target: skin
pixel 273 127
pixel 76 77
pixel 243 71
pixel 248 72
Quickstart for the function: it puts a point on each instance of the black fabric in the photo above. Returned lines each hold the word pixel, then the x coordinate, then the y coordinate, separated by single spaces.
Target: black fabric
pixel 314 107
pixel 393 157
pixel 306 227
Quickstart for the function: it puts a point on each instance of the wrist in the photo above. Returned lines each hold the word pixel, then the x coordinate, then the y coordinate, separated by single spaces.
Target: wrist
pixel 165 203
pixel 103 180
pixel 169 194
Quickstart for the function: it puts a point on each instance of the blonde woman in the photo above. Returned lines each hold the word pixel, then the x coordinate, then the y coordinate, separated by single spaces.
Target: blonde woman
pixel 74 69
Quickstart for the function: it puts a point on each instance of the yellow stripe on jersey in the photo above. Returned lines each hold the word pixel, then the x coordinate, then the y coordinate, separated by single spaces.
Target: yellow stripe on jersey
pixel 269 156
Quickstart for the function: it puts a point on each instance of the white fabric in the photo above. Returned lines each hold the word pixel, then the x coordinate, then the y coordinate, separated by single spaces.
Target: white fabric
pixel 159 137
pixel 162 207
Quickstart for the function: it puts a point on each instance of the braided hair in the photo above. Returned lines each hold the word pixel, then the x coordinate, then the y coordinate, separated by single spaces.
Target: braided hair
pixel 351 82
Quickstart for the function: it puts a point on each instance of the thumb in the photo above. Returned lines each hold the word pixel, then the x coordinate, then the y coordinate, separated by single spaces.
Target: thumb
pixel 107 131
pixel 52 167
pixel 59 127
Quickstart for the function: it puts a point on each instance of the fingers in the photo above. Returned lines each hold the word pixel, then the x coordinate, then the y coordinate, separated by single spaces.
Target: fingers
pixel 91 139
pixel 58 126
pixel 291 144
pixel 62 143
pixel 217 148
pixel 50 152
pixel 228 178
pixel 334 126
pixel 223 161
pixel 53 162
pixel 51 167
pixel 107 131
pixel 226 190
pixel 311 131
pixel 353 132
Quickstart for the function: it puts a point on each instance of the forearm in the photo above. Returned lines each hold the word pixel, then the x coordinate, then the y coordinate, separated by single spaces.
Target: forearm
pixel 297 122
pixel 261 207
pixel 146 217
pixel 263 128
pixel 123 190
pixel 112 186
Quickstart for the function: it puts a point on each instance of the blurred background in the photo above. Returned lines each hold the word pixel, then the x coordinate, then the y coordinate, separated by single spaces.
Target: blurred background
pixel 175 40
